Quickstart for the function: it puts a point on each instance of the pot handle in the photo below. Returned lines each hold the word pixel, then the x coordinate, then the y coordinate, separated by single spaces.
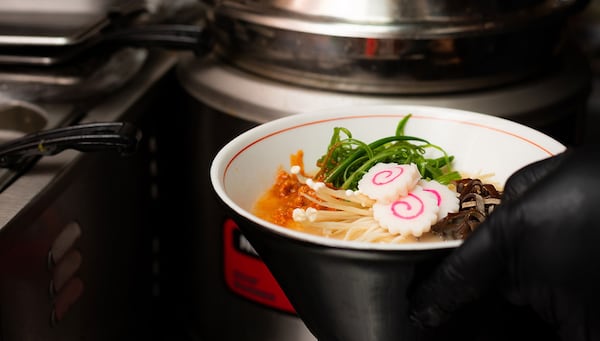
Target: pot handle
pixel 122 137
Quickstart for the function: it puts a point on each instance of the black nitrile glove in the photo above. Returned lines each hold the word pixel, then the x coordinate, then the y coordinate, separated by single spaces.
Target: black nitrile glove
pixel 541 247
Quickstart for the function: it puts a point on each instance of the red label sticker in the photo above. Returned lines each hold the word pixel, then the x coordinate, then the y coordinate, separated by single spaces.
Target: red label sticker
pixel 246 274
pixel 371 47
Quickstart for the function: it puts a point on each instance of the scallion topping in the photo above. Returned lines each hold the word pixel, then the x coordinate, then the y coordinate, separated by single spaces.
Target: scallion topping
pixel 347 159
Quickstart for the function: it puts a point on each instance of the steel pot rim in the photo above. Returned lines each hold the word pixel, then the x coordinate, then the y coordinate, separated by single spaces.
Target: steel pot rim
pixel 424 26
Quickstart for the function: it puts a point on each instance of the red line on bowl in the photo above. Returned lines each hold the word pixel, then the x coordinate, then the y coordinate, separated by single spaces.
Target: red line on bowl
pixel 382 115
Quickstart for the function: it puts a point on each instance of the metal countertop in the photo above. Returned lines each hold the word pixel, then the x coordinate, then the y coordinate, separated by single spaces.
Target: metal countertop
pixel 15 198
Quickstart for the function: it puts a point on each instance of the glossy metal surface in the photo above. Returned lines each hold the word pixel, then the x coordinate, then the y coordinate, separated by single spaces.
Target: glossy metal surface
pixel 387 18
pixel 78 221
pixel 112 107
pixel 55 29
pixel 56 23
pixel 552 102
pixel 388 66
pixel 393 47
pixel 64 6
pixel 85 79
pixel 19 117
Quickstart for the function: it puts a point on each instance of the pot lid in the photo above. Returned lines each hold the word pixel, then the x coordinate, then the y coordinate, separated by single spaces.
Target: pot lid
pixel 396 18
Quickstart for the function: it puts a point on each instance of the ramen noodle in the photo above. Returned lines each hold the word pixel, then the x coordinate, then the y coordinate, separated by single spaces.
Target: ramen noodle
pixel 389 200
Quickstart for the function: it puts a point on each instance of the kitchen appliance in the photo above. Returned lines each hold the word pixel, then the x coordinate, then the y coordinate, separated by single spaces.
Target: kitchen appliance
pixel 30 37
pixel 278 58
pixel 66 56
pixel 77 230
pixel 75 233
pixel 392 47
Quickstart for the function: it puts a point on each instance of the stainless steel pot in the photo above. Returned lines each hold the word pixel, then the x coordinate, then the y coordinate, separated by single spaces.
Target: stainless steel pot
pixel 398 18
pixel 393 47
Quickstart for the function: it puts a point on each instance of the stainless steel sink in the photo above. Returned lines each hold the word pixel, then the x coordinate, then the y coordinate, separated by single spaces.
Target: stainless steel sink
pixel 18 118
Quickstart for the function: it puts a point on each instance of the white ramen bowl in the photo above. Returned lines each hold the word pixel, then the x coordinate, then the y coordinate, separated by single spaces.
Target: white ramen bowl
pixel 349 290
pixel 246 167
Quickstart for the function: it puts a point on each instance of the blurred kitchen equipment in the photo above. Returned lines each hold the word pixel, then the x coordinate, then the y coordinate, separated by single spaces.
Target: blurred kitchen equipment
pixel 40 28
pixel 25 26
pixel 189 37
pixel 278 58
pixel 77 229
pixel 27 133
pixel 396 47
pixel 79 81
pixel 121 137
pixel 66 55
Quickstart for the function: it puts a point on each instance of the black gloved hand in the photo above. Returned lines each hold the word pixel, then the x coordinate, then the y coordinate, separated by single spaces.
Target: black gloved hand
pixel 541 247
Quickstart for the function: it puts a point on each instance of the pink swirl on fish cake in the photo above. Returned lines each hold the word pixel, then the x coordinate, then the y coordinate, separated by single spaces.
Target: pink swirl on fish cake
pixel 388 181
pixel 411 214
pixel 407 207
pixel 386 176
pixel 436 194
pixel 447 199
